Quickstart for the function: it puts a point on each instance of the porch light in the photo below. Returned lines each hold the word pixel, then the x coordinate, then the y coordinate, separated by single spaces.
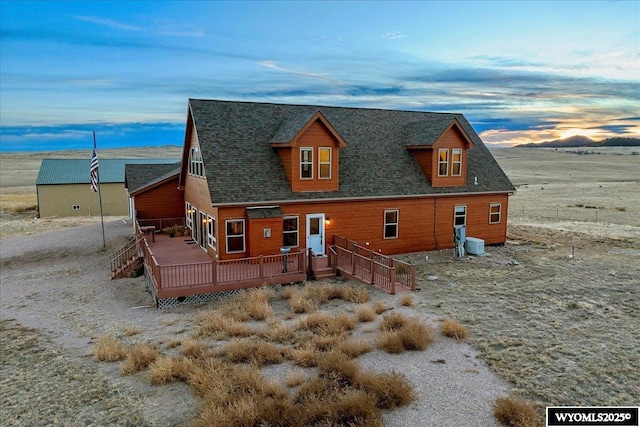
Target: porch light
pixel 327 220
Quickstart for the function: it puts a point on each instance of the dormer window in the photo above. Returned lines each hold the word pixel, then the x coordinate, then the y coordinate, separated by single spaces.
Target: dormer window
pixel 196 166
pixel 456 162
pixel 324 163
pixel 306 163
pixel 443 162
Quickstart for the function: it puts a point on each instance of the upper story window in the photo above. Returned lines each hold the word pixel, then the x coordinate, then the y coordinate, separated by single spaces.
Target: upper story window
pixel 306 163
pixel 391 224
pixel 196 166
pixel 443 162
pixel 495 213
pixel 324 163
pixel 456 162
pixel 235 236
pixel 460 215
pixel 290 231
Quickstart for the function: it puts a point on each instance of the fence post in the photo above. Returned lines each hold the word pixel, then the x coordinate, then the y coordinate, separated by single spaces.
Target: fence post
pixel 393 280
pixel 214 267
pixel 261 267
pixel 353 262
pixel 373 276
pixel 413 277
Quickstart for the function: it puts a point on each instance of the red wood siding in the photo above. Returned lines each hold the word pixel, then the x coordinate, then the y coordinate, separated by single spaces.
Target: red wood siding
pixel 285 158
pixel 163 201
pixel 452 138
pixel 424 224
pixel 424 157
pixel 316 135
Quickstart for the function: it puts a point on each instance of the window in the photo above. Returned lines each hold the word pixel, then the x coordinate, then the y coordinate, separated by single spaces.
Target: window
pixel 290 231
pixel 456 162
pixel 75 207
pixel 211 231
pixel 495 212
pixel 306 163
pixel 324 163
pixel 187 218
pixel 460 215
pixel 391 224
pixel 235 235
pixel 443 162
pixel 196 166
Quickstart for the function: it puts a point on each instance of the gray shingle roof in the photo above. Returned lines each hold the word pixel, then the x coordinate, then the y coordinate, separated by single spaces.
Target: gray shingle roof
pixel 241 167
pixel 139 176
pixel 76 171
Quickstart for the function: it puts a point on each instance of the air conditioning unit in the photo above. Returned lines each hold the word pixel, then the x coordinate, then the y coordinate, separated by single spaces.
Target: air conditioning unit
pixel 474 246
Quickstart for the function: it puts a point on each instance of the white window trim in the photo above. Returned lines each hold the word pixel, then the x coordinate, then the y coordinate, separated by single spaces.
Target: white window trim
pixel 291 232
pixel 226 228
pixel 455 216
pixel 188 223
pixel 320 163
pixel 453 151
pixel 211 231
pixel 499 213
pixel 310 150
pixel 397 224
pixel 446 162
pixel 196 164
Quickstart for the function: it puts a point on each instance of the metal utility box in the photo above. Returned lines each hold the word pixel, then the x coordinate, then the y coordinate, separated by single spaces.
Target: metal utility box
pixel 474 246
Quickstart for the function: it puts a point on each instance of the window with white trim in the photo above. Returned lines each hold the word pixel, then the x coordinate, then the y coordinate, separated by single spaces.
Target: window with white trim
pixel 443 162
pixel 324 163
pixel 196 165
pixel 187 218
pixel 391 224
pixel 456 162
pixel 211 231
pixel 306 163
pixel 460 215
pixel 495 213
pixel 75 207
pixel 290 231
pixel 235 235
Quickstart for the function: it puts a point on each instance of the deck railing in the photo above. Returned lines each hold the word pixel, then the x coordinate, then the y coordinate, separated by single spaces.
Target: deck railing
pixel 372 267
pixel 123 257
pixel 215 276
pixel 160 223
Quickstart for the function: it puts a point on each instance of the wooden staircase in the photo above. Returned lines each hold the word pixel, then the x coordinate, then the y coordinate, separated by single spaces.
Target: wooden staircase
pixel 321 268
pixel 123 260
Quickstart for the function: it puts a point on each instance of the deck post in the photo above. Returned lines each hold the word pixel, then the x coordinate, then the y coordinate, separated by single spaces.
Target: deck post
pixel 393 280
pixel 214 268
pixel 260 261
pixel 353 262
pixel 373 276
pixel 413 277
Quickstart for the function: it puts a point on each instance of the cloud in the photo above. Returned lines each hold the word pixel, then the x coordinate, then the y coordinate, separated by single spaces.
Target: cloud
pixel 274 66
pixel 393 35
pixel 108 23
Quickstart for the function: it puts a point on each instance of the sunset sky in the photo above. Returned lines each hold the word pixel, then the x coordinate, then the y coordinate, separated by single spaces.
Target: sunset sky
pixel 520 71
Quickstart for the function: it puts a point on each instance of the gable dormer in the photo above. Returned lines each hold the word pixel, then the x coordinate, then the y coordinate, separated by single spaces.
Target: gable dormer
pixel 441 151
pixel 309 149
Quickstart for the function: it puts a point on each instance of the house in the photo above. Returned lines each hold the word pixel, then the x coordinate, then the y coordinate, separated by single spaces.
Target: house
pixel 259 178
pixel 63 187
pixel 269 193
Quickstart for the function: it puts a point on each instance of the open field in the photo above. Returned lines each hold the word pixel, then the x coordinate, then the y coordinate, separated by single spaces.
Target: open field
pixel 559 330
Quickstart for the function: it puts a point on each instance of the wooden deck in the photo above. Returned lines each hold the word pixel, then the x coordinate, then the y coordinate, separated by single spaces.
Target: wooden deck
pixel 179 267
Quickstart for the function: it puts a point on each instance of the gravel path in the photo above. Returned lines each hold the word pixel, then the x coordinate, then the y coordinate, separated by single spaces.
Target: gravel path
pixel 57 298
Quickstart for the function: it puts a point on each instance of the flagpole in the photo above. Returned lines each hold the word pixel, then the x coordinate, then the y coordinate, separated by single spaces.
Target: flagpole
pixel 104 240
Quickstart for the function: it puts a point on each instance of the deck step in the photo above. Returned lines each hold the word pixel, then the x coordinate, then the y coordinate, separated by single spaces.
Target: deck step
pixel 324 273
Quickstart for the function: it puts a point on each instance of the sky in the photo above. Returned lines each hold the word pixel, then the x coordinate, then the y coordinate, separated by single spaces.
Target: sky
pixel 519 71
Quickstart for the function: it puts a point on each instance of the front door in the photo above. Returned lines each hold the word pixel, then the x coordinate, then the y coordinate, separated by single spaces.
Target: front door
pixel 315 233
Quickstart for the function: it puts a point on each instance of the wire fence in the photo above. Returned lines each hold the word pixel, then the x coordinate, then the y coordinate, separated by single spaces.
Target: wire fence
pixel 584 213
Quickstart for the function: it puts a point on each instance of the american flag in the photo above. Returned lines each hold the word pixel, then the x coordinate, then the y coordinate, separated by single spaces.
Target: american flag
pixel 93 170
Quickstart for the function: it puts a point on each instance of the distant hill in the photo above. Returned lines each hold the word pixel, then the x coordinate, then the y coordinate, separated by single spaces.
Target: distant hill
pixel 583 141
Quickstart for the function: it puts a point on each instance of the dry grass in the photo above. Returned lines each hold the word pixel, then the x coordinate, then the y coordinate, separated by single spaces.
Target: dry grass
pixel 287 292
pixel 257 353
pixel 353 347
pixel 300 303
pixel 279 332
pixel 295 378
pixel 357 294
pixel 165 370
pixel 173 344
pixel 380 307
pixel 366 314
pixel 108 349
pixel 305 356
pixel 131 330
pixel 194 349
pixel 217 324
pixel 406 300
pixel 399 333
pixel 390 389
pixel 18 203
pixel 139 357
pixel 323 323
pixel 453 329
pixel 515 412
